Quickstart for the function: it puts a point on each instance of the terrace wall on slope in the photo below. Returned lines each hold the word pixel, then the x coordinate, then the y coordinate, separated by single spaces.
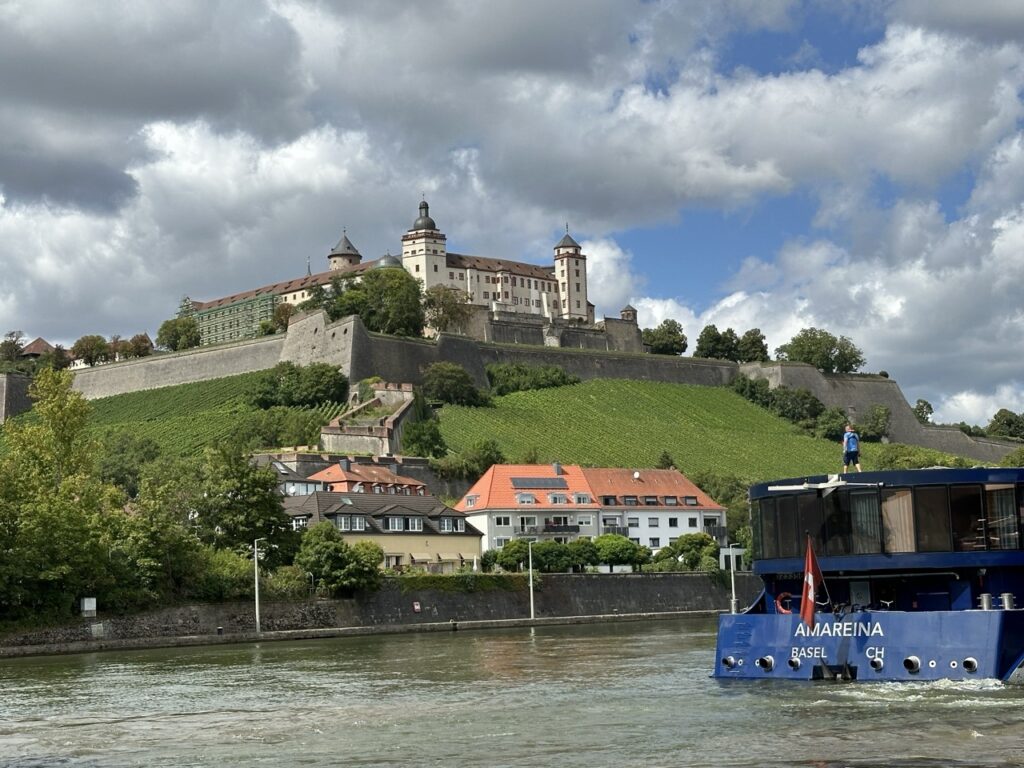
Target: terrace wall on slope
pixel 13 395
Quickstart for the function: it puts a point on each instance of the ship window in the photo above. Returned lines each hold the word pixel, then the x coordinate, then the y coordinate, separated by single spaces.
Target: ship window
pixel 812 519
pixel 966 518
pixel 931 519
pixel 1001 511
pixel 898 520
pixel 769 524
pixel 865 523
pixel 792 542
pixel 837 508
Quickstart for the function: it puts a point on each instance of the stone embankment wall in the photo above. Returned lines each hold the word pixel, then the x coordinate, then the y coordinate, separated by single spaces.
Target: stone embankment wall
pixel 557 595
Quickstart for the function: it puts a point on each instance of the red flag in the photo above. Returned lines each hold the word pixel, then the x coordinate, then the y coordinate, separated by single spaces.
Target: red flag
pixel 812 580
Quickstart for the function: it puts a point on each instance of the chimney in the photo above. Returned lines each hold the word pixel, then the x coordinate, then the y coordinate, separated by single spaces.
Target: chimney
pixel 557 467
pixel 344 464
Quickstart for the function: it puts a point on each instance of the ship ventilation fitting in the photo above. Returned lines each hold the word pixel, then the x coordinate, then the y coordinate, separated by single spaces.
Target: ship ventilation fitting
pixel 970 664
pixel 767 663
pixel 876 664
pixel 912 664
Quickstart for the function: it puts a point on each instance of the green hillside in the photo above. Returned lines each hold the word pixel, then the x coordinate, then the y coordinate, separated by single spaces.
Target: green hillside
pixel 183 418
pixel 622 423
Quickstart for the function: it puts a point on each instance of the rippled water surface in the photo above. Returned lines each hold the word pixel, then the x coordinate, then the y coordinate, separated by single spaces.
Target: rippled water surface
pixel 629 694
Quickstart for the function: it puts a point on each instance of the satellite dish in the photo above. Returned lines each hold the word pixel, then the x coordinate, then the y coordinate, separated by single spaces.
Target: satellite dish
pixel 636 475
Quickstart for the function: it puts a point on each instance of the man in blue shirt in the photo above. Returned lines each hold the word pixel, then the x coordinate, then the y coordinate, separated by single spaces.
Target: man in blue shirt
pixel 851 449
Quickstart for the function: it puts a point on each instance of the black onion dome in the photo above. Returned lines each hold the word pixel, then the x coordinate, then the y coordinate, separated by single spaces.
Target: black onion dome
pixel 424 221
pixel 388 262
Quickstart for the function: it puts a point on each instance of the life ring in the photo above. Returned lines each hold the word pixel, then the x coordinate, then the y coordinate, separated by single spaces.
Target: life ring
pixel 779 598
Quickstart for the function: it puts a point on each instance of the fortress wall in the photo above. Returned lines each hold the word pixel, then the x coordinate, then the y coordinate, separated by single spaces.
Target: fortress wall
pixel 164 370
pixel 13 395
pixel 857 393
pixel 623 335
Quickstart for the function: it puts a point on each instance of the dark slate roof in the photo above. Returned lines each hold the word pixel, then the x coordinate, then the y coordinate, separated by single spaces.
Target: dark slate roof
pixel 344 248
pixel 567 242
pixel 485 264
pixel 321 505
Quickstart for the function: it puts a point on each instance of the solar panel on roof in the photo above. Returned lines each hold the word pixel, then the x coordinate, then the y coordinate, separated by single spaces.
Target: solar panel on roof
pixel 539 482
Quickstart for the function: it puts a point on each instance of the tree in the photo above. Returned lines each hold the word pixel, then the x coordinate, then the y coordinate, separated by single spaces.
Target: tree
pixel 56 359
pixel 831 424
pixel 423 438
pixel 318 299
pixel 446 309
pixel 91 349
pixel 449 383
pixel 875 425
pixel 692 551
pixel 122 457
pixel 288 384
pixel 718 346
pixel 581 553
pixel 752 347
pixel 1006 423
pixel 11 346
pixel 512 556
pixel 336 566
pixel 179 333
pixel 550 557
pixel 282 314
pixel 923 411
pixel 138 345
pixel 667 339
pixel 613 549
pixel 387 301
pixel 822 350
pixel 665 461
pixel 505 378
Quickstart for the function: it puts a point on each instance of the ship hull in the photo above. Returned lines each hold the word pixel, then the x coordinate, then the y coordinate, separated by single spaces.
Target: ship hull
pixel 872 646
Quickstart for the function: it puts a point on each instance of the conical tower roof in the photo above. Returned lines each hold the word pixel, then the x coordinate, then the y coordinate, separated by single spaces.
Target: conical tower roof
pixel 344 247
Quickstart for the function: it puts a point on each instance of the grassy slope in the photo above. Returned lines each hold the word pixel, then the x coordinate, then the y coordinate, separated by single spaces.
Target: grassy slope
pixel 181 419
pixel 629 423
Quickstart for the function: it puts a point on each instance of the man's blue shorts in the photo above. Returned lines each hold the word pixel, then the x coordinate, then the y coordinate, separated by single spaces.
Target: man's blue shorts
pixel 851 457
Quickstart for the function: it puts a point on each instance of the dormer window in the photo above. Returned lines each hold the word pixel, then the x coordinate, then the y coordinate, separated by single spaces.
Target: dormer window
pixel 671 501
pixel 609 501
pixel 558 498
pixel 630 501
pixel 471 501
pixel 582 498
pixel 651 501
pixel 691 501
pixel 526 498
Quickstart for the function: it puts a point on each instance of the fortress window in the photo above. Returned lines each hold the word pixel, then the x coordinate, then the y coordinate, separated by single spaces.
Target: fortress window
pixel 451 275
pixel 577 288
pixel 487 294
pixel 577 273
pixel 435 266
pixel 417 267
pixel 506 294
pixel 577 303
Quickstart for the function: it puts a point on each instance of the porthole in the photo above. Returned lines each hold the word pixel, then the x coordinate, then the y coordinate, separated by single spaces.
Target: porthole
pixel 931 664
pixel 953 664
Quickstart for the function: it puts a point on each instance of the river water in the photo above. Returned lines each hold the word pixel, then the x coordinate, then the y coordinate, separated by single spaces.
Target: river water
pixel 625 694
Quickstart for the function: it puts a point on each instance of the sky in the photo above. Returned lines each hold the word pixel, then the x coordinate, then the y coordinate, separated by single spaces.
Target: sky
pixel 854 166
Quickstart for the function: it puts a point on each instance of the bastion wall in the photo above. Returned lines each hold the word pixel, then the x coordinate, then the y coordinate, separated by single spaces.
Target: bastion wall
pixel 13 395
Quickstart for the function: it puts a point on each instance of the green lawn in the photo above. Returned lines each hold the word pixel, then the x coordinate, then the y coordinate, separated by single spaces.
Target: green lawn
pixel 621 423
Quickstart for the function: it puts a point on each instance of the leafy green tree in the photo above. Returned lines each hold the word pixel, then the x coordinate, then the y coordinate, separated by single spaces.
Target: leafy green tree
pixel 336 566
pixel 923 411
pixel 550 557
pixel 752 347
pixel 56 359
pixel 1013 459
pixel 387 301
pixel 282 314
pixel 667 339
pixel 91 349
pixel 488 560
pixel 319 298
pixel 138 345
pixel 178 333
pixel 288 384
pixel 831 424
pixel 717 345
pixel 581 553
pixel 11 346
pixel 122 457
pixel 757 391
pixel 512 556
pixel 446 309
pixel 613 549
pixel 692 551
pixel 423 438
pixel 824 351
pixel 796 405
pixel 1006 423
pixel 665 461
pixel 449 383
pixel 875 425
pixel 505 378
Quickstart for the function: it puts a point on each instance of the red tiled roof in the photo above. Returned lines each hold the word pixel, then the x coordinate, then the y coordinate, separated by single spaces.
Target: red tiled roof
pixel 36 347
pixel 458 261
pixel 495 489
pixel 304 283
pixel 651 482
pixel 360 473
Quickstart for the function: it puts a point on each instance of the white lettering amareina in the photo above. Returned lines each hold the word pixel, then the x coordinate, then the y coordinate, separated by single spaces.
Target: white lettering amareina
pixel 840 629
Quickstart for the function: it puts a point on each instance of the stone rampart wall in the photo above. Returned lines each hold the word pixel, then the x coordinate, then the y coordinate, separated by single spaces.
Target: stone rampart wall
pixel 557 595
pixel 13 395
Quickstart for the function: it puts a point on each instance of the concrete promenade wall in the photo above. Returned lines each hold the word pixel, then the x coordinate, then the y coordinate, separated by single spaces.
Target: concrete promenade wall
pixel 557 596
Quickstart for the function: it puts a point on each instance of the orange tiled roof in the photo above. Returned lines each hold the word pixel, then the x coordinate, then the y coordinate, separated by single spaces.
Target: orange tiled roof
pixel 496 490
pixel 361 473
pixel 651 482
pixel 303 283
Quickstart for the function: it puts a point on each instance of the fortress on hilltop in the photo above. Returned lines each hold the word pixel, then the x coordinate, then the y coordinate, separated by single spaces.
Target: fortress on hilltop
pixel 503 294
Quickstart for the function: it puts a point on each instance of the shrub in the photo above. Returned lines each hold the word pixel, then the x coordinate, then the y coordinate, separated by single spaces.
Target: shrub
pixel 449 383
pixel 518 377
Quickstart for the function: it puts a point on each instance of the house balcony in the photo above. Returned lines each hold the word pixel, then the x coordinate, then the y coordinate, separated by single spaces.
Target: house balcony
pixel 619 530
pixel 553 528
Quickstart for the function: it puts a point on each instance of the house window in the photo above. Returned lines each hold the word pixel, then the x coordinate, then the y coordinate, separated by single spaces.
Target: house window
pixel 343 523
pixel 358 523
pixel 691 501
pixel 652 522
pixel 672 540
pixel 655 541
pixel 527 521
pixel 633 522
pixel 526 498
pixel 651 501
pixel 584 520
pixel 471 501
pixel 451 275
pixel 415 523
pixel 630 501
pixel 635 541
pixel 503 520
pixel 609 522
pixel 394 524
pixel 673 522
pixel 582 498
pixel 692 522
pixel 299 523
pixel 558 498
pixel 671 501
pixel 392 561
pixel 608 501
pixel 460 525
pixel 445 524
pixel 500 542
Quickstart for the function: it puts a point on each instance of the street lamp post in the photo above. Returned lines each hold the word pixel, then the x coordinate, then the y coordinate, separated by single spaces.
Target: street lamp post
pixel 733 603
pixel 256 577
pixel 529 552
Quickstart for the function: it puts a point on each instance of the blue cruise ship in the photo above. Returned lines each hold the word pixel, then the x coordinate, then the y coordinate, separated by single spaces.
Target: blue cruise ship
pixel 901 575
